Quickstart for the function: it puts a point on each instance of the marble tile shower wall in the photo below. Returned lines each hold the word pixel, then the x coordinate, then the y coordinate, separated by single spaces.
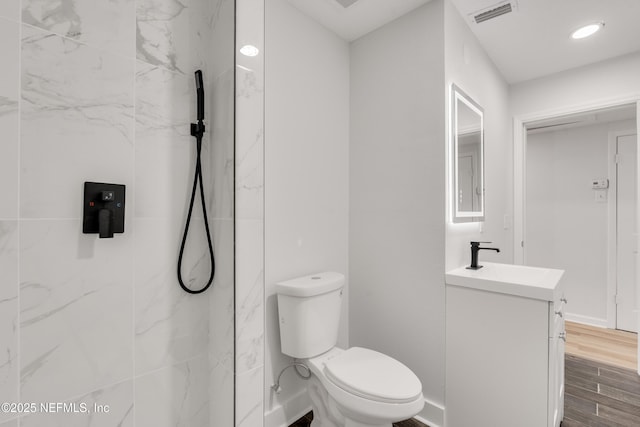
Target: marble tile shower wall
pixel 103 90
pixel 249 299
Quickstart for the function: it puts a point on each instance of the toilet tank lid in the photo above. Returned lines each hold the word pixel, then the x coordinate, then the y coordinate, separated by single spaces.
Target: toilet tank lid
pixel 314 284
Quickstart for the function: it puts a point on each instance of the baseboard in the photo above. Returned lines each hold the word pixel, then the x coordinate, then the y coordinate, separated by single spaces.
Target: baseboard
pixel 586 320
pixel 289 411
pixel 285 413
pixel 432 414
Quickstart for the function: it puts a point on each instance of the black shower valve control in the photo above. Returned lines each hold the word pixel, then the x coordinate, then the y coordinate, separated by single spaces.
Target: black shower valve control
pixel 103 209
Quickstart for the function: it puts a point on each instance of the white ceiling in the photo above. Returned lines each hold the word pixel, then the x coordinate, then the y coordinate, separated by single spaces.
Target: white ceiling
pixel 531 42
pixel 534 40
pixel 358 19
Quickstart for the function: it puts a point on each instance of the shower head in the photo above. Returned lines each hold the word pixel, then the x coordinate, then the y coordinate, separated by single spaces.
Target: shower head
pixel 200 94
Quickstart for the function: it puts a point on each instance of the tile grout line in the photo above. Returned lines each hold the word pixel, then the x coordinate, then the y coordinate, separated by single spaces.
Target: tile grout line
pixel 18 215
pixel 134 239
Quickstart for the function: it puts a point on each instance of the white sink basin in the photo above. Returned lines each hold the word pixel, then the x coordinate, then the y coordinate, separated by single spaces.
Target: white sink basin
pixel 519 280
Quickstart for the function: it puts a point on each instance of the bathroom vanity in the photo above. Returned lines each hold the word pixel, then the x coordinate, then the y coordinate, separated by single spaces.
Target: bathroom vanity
pixel 504 346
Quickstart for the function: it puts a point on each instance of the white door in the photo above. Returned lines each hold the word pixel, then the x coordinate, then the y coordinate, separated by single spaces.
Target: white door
pixel 626 234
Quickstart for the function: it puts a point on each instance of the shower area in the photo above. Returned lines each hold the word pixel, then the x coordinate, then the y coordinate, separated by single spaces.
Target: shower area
pixel 97 332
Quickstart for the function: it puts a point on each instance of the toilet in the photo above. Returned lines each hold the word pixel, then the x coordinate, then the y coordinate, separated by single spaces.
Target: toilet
pixel 354 387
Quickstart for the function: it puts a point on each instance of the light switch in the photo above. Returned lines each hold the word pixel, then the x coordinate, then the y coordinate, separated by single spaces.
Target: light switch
pixel 598 184
pixel 506 222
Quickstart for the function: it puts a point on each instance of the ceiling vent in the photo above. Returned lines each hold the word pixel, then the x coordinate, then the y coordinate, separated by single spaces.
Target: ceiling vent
pixel 346 3
pixel 493 11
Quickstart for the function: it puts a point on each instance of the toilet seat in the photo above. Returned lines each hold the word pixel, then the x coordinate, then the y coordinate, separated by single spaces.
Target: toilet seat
pixel 373 375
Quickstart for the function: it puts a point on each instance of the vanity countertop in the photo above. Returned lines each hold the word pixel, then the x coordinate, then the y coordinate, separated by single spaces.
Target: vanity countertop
pixel 519 280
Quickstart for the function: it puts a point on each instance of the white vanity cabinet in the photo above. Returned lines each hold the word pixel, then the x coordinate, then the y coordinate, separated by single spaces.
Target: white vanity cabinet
pixel 504 347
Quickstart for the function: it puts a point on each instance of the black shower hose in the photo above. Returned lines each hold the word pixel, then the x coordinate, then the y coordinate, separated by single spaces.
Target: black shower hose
pixel 196 178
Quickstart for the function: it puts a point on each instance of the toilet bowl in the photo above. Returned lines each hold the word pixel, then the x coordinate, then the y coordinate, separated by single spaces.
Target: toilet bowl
pixel 365 386
pixel 354 387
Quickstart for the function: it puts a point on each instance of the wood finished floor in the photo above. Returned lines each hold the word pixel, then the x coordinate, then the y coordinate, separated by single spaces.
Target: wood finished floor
pixel 602 387
pixel 600 395
pixel 609 346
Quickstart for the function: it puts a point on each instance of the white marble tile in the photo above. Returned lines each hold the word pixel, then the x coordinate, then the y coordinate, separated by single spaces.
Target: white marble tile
pixel 165 149
pixel 174 34
pixel 10 9
pixel 221 395
pixel 99 23
pixel 250 403
pixel 222 145
pixel 221 106
pixel 249 149
pixel 221 297
pixel 249 110
pixel 171 325
pixel 10 71
pixel 176 396
pixel 8 314
pixel 77 123
pixel 249 295
pixel 109 407
pixel 223 34
pixel 249 214
pixel 76 310
pixel 9 118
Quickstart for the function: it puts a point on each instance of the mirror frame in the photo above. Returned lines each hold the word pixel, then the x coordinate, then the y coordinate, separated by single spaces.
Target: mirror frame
pixel 457 216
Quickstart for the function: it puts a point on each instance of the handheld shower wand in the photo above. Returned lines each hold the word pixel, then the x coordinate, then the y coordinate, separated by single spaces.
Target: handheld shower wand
pixel 200 95
pixel 197 130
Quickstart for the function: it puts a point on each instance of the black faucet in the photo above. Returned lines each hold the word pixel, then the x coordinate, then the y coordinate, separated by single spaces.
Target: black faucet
pixel 475 247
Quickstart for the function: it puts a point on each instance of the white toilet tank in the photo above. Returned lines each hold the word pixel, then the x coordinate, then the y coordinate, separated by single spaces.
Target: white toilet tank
pixel 309 312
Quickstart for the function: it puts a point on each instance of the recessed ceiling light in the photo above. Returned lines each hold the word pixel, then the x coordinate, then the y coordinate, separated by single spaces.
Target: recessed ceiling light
pixel 587 30
pixel 249 50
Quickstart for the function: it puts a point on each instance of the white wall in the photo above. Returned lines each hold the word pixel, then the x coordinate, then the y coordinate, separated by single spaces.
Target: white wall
pixel 396 220
pixel 306 174
pixel 398 79
pixel 593 84
pixel 566 228
pixel 468 66
pixel 606 83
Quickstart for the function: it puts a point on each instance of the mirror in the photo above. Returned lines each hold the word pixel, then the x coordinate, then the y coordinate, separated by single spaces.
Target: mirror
pixel 467 154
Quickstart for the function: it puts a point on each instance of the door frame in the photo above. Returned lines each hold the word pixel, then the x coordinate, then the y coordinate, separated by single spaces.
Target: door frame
pixel 519 158
pixel 612 234
pixel 519 163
